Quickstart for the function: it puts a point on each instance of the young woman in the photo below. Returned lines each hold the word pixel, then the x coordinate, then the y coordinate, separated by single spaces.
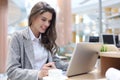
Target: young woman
pixel 32 51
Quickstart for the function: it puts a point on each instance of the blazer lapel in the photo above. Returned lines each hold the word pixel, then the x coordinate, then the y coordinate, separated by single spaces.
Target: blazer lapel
pixel 28 47
pixel 29 51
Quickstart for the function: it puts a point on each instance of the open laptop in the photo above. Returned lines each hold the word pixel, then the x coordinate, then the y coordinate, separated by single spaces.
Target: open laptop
pixel 93 38
pixel 108 39
pixel 83 58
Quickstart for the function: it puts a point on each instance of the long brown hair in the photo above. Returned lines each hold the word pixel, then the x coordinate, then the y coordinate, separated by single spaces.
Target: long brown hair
pixel 48 38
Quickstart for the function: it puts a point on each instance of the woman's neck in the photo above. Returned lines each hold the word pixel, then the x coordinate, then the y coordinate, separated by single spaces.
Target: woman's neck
pixel 36 34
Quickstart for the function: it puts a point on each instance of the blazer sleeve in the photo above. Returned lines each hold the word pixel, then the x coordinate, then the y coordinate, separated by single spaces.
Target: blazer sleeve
pixel 14 69
pixel 59 63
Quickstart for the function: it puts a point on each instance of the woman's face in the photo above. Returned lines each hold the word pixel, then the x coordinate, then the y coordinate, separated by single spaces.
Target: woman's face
pixel 41 22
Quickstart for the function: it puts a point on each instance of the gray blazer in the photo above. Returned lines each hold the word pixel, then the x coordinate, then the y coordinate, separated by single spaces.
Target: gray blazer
pixel 21 58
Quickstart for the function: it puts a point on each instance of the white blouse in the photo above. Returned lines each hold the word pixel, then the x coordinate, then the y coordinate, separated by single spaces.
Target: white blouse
pixel 40 53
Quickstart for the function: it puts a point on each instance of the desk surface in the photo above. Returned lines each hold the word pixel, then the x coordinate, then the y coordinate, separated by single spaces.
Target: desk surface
pixel 110 54
pixel 94 75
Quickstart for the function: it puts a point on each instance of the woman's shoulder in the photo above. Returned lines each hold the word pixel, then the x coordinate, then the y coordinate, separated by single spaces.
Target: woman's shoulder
pixel 19 34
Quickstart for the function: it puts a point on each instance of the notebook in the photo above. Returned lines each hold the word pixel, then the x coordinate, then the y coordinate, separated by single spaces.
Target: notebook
pixel 83 58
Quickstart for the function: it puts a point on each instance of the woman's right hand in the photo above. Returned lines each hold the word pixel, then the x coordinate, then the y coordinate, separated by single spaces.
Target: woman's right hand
pixel 45 68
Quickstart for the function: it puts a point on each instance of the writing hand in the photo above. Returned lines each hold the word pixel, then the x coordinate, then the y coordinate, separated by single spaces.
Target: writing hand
pixel 45 68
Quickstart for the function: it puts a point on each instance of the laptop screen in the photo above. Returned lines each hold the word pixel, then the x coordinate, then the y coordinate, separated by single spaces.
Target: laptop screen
pixel 108 39
pixel 93 38
pixel 83 58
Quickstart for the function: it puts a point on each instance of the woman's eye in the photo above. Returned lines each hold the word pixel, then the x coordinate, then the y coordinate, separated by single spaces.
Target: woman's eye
pixel 43 20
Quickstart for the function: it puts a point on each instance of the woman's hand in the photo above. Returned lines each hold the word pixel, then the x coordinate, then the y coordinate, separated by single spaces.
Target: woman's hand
pixel 45 68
